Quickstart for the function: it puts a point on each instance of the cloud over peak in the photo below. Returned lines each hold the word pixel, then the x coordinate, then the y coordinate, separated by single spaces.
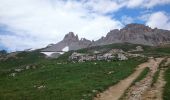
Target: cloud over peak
pixel 159 19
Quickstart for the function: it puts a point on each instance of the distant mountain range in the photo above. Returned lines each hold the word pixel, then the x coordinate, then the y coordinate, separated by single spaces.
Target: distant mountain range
pixel 131 33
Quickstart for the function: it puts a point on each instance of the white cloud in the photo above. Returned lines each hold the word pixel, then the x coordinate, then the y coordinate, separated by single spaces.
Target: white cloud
pixel 15 43
pixel 159 20
pixel 127 20
pixel 134 3
pixel 146 3
pixel 152 3
pixel 104 6
pixel 47 21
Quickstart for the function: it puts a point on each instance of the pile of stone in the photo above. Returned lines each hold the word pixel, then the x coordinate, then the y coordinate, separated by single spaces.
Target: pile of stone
pixel 39 86
pixel 114 54
pixel 137 49
pixel 121 56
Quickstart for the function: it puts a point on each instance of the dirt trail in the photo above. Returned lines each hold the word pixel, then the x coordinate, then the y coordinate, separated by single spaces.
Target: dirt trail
pixel 116 91
pixel 167 62
pixel 136 92
pixel 156 92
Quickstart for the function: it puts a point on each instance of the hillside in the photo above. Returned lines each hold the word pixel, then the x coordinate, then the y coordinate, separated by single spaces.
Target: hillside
pixel 30 75
pixel 155 51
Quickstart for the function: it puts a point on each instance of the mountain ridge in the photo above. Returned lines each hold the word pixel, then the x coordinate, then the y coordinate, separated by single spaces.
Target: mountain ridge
pixel 131 33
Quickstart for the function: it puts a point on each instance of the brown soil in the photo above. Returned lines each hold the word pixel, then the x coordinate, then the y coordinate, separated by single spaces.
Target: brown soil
pixel 155 92
pixel 136 92
pixel 116 91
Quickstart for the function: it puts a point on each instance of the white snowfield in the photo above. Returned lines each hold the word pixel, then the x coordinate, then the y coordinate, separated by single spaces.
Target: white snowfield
pixel 65 49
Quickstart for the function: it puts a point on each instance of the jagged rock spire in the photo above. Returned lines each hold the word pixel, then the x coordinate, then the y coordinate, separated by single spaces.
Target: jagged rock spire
pixel 71 37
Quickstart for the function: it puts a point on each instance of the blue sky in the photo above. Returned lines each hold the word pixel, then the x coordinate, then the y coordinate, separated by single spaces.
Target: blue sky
pixel 34 24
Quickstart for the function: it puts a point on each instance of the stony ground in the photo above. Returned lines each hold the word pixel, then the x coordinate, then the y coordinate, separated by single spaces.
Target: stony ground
pixel 156 92
pixel 135 92
pixel 116 91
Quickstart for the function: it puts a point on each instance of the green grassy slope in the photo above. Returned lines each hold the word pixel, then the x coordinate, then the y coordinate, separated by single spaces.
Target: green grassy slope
pixel 65 80
pixel 71 81
pixel 20 59
pixel 105 48
pixel 157 51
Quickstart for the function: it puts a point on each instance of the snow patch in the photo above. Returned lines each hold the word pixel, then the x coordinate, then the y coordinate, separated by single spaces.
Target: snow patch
pixel 65 49
pixel 50 53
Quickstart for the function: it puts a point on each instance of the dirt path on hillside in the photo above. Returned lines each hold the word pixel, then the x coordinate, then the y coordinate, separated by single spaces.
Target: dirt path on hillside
pixel 156 92
pixel 167 62
pixel 116 91
pixel 136 91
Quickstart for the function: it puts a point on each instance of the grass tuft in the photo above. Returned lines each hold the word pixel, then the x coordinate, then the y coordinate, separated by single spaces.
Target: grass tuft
pixel 142 75
pixel 166 93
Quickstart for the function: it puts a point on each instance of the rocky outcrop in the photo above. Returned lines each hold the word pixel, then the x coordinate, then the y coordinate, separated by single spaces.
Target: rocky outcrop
pixel 71 41
pixel 114 54
pixel 131 33
pixel 136 34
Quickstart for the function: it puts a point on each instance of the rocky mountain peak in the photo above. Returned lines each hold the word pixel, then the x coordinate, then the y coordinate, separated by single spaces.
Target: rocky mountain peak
pixel 84 39
pixel 134 25
pixel 131 33
pixel 71 37
pixel 137 27
pixel 112 32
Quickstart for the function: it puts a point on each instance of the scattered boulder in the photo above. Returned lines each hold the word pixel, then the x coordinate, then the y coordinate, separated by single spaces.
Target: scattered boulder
pixel 121 56
pixel 115 51
pixel 139 48
pixel 59 63
pixel 27 67
pixel 18 70
pixel 96 52
pixel 13 74
pixel 94 91
pixel 75 56
pixel 108 56
pixel 34 67
pixel 110 72
pixel 41 87
pixel 95 63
